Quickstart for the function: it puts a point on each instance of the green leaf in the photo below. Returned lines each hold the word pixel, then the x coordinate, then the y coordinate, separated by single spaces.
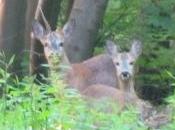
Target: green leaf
pixel 11 60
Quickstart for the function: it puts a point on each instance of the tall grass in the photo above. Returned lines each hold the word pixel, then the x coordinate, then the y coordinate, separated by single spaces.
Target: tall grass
pixel 27 106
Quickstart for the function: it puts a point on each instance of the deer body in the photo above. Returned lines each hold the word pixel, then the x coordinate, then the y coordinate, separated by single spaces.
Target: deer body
pixel 99 91
pixel 96 70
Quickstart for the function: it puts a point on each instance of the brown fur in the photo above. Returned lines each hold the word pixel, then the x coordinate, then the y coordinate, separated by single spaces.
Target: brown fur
pixel 97 70
pixel 77 76
pixel 100 91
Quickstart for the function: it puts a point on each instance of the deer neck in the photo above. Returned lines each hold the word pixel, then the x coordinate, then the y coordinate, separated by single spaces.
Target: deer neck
pixel 65 60
pixel 127 86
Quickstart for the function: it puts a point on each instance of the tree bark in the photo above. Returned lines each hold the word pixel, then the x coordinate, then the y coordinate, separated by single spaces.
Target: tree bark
pixel 12 31
pixel 51 10
pixel 30 14
pixel 69 9
pixel 88 16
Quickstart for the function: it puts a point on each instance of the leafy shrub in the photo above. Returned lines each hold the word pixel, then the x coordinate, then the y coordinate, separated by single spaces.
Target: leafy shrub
pixel 25 105
pixel 152 22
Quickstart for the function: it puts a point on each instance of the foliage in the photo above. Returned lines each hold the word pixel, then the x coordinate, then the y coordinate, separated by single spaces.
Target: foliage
pixel 158 34
pixel 152 22
pixel 25 105
pixel 171 101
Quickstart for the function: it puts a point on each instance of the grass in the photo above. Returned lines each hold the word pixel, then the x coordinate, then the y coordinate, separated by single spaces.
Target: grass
pixel 27 106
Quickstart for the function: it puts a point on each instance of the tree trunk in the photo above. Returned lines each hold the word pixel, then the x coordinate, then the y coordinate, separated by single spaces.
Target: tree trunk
pixel 12 31
pixel 88 16
pixel 69 9
pixel 30 14
pixel 51 10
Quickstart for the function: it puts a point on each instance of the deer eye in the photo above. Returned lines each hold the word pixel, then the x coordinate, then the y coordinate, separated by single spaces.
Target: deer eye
pixel 46 44
pixel 117 63
pixel 61 44
pixel 131 63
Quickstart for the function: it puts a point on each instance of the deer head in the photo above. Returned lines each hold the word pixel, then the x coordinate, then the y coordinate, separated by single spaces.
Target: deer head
pixel 52 41
pixel 124 62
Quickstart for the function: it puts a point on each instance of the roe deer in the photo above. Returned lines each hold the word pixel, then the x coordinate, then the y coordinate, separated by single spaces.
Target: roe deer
pixel 97 70
pixel 124 93
pixel 124 63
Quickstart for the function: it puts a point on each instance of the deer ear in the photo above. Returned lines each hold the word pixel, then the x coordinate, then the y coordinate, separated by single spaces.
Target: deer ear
pixel 69 27
pixel 111 48
pixel 136 48
pixel 38 30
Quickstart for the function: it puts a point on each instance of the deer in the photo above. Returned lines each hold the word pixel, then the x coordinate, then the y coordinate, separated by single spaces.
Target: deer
pixel 124 92
pixel 78 75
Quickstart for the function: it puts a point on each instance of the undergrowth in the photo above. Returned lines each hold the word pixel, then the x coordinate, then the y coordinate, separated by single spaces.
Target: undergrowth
pixel 27 106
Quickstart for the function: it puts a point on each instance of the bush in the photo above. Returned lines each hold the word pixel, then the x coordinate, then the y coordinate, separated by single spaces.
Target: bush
pixel 25 105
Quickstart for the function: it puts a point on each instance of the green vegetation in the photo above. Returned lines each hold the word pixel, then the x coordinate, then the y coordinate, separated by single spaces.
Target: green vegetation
pixel 152 22
pixel 27 106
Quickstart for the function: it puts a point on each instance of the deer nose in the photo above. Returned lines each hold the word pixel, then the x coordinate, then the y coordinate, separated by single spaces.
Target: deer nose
pixel 125 74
